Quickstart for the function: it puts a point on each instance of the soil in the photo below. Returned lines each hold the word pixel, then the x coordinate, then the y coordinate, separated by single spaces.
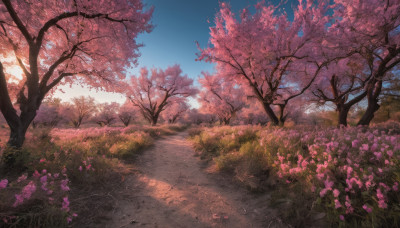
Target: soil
pixel 170 187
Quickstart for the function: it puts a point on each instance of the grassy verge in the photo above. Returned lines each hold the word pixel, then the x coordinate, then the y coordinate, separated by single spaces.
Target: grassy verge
pixel 67 177
pixel 346 177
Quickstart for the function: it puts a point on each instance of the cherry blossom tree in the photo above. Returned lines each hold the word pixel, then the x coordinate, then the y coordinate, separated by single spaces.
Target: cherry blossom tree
pixel 220 96
pixel 55 42
pixel 343 85
pixel 367 32
pixel 82 108
pixel 153 91
pixel 126 113
pixel 274 58
pixel 49 113
pixel 372 29
pixel 252 114
pixel 176 110
pixel 106 113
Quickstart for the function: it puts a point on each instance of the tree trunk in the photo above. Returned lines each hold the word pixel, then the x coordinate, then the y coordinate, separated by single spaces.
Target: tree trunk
pixel 374 90
pixel 154 120
pixel 270 113
pixel 373 106
pixel 227 121
pixel 343 113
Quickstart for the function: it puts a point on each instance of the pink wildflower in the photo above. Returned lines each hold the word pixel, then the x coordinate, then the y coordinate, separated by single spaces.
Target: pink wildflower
pixel 355 143
pixel 36 174
pixel 336 193
pixel 341 217
pixel 64 185
pixel 80 168
pixel 382 204
pixel 28 190
pixel 378 155
pixel 22 178
pixel 19 200
pixel 364 147
pixel 328 184
pixel 3 183
pixel 337 204
pixel 322 193
pixel 43 179
pixel 395 186
pixel 368 209
pixel 65 204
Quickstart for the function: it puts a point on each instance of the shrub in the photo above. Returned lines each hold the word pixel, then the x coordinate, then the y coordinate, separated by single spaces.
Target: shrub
pixel 340 177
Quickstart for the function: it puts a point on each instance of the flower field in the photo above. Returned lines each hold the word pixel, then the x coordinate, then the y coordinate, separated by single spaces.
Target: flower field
pixel 64 169
pixel 339 177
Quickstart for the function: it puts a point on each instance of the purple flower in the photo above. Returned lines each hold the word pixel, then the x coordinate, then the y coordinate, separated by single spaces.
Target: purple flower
pixel 64 185
pixel 355 143
pixel 369 210
pixel 65 204
pixel 3 183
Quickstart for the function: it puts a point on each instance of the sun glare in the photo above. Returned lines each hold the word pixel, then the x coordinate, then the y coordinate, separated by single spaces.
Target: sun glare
pixel 16 72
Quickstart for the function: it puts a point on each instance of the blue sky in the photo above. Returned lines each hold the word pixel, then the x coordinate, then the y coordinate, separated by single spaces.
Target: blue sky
pixel 178 25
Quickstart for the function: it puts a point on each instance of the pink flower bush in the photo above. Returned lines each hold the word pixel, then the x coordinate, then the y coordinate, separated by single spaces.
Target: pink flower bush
pixel 26 193
pixel 3 183
pixel 339 164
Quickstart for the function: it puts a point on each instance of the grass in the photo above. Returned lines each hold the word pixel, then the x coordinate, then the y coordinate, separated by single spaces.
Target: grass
pixel 92 163
pixel 316 176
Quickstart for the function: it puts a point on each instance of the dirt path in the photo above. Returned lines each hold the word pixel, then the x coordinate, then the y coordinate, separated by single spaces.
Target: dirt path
pixel 170 189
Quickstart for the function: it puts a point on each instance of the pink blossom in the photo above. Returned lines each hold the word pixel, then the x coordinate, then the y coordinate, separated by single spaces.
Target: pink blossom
pixel 328 184
pixel 18 200
pixel 3 183
pixel 395 186
pixel 355 143
pixel 368 209
pixel 382 204
pixel 323 192
pixel 364 147
pixel 341 217
pixel 337 204
pixel 22 178
pixel 378 155
pixel 28 190
pixel 80 168
pixel 26 193
pixel 64 185
pixel 65 204
pixel 336 193
pixel 389 153
pixel 36 174
pixel 43 179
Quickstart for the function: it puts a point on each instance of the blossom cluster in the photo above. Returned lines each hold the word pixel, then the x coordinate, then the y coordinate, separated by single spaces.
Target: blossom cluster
pixel 51 188
pixel 352 170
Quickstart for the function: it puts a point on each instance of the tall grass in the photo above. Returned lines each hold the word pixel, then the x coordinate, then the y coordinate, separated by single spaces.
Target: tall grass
pixel 347 177
pixel 64 174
